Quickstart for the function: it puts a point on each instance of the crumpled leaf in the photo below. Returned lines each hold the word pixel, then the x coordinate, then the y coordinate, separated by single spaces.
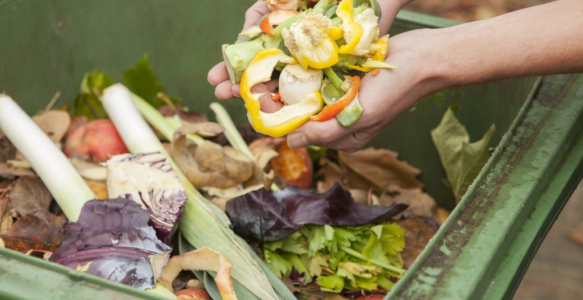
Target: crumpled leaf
pixel 7 220
pixel 330 173
pixel 89 170
pixel 184 115
pixel 363 197
pixel 142 81
pixel 203 259
pixel 417 235
pixel 258 216
pixel 261 216
pixel 39 230
pixel 54 123
pixel 30 194
pixel 420 203
pixel 7 150
pixel 206 163
pixel 377 168
pixel 219 197
pixel 112 240
pixel 8 172
pixel 263 151
pixel 461 159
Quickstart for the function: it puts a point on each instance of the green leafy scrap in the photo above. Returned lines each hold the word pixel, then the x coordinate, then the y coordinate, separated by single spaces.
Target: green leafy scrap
pixel 142 81
pixel 86 102
pixel 348 257
pixel 461 159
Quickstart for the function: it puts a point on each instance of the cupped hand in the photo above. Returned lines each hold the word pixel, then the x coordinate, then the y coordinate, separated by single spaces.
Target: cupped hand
pixel 383 98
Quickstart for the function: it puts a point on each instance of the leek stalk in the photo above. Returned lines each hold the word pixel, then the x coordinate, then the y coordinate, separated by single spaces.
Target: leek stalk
pixel 202 223
pixel 63 181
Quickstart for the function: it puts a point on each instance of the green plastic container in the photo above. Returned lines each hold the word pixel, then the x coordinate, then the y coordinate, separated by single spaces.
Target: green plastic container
pixel 483 249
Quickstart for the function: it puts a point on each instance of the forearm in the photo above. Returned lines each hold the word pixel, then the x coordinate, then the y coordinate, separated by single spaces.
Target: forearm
pixel 542 40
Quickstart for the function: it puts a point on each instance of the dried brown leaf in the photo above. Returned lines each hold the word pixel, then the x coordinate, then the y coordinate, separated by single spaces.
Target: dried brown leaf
pixel 219 197
pixel 8 172
pixel 8 220
pixel 330 173
pixel 363 197
pixel 207 164
pixel 186 116
pixel 55 123
pixel 39 230
pixel 378 168
pixel 7 150
pixel 30 194
pixel 417 235
pixel 420 203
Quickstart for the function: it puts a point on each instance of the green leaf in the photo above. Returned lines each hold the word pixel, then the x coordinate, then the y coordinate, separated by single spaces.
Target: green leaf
pixel 385 283
pixel 318 238
pixel 277 264
pixel 392 239
pixel 373 248
pixel 142 81
pixel 294 244
pixel 86 102
pixel 315 263
pixel 333 283
pixel 461 159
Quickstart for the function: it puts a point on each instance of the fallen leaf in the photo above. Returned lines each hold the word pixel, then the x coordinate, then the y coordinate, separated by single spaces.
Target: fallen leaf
pixel 247 132
pixel 89 170
pixel 330 173
pixel 461 159
pixel 420 203
pixel 8 220
pixel 98 188
pixel 206 163
pixel 185 116
pixel 417 235
pixel 39 230
pixel 378 168
pixel 263 152
pixel 7 150
pixel 30 194
pixel 55 123
pixel 8 172
pixel 363 197
pixel 203 259
pixel 219 197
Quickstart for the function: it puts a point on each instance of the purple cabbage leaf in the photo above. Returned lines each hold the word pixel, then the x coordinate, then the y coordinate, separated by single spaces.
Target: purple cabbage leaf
pixel 112 240
pixel 261 216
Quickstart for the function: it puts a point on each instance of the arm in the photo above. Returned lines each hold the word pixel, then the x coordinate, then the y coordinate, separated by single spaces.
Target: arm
pixel 542 40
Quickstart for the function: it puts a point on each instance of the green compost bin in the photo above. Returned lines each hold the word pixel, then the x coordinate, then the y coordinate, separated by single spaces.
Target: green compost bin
pixel 483 249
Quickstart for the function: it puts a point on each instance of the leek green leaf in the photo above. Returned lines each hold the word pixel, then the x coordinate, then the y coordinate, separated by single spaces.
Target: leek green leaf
pixel 86 102
pixel 461 159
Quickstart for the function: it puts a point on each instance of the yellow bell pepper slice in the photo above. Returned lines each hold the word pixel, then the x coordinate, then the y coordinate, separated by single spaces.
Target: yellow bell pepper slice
pixel 352 30
pixel 285 120
pixel 336 33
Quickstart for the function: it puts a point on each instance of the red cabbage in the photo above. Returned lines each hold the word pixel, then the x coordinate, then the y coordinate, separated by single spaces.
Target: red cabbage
pixel 112 240
pixel 264 217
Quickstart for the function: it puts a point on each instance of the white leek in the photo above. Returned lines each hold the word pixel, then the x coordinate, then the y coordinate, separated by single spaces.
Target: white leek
pixel 202 224
pixel 63 181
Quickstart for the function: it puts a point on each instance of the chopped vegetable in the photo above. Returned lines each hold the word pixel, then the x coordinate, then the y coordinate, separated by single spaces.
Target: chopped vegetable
pixel 275 18
pixel 148 179
pixel 352 30
pixel 289 117
pixel 59 176
pixel 330 111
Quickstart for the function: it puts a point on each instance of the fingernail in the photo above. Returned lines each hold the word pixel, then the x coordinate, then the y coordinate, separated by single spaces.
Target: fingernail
pixel 297 140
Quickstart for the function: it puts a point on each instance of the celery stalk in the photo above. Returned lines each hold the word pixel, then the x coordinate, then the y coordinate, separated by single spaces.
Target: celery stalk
pixel 202 223
pixel 332 92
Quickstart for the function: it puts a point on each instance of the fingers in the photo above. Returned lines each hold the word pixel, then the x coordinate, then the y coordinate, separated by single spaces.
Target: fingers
pixel 224 90
pixel 254 13
pixel 322 134
pixel 267 104
pixel 218 74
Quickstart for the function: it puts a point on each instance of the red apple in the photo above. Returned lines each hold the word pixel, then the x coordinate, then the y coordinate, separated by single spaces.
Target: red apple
pixel 97 140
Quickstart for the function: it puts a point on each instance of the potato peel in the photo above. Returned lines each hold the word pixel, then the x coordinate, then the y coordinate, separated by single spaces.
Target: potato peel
pixel 203 259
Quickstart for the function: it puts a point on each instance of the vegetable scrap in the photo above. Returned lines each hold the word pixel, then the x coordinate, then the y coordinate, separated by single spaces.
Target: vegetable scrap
pixel 319 51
